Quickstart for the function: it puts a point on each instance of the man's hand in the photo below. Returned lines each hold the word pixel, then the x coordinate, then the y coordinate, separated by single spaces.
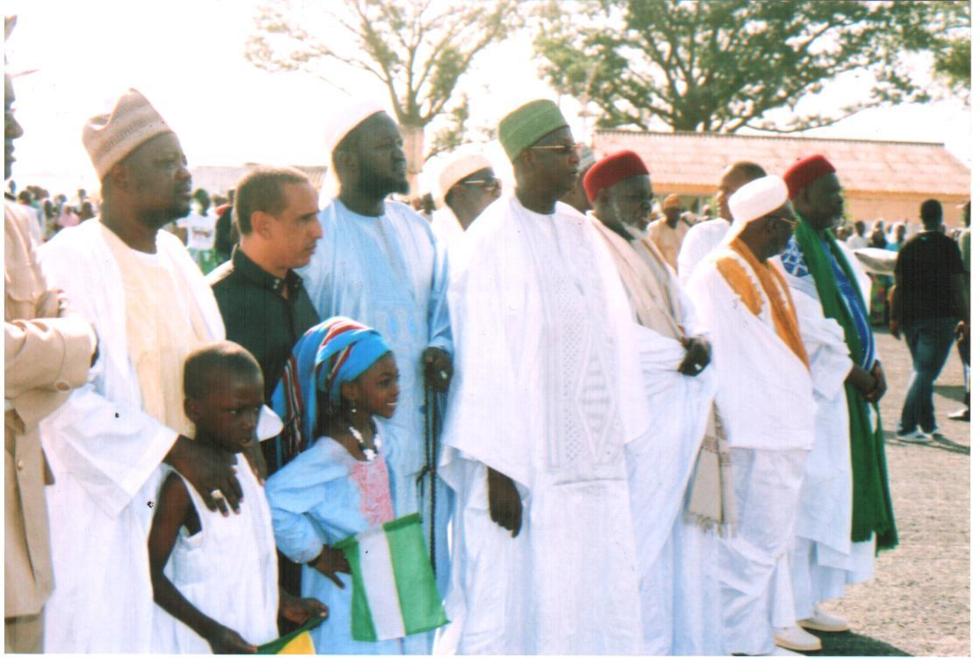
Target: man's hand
pixel 878 373
pixel 207 473
pixel 863 381
pixel 505 503
pixel 300 609
pixel 331 562
pixel 962 331
pixel 698 356
pixel 226 640
pixel 895 328
pixel 438 368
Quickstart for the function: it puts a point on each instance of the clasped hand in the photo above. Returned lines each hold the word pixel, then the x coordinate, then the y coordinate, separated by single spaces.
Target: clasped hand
pixel 438 367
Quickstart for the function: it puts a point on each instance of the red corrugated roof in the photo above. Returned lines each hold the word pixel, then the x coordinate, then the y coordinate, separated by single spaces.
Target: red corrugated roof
pixel 697 159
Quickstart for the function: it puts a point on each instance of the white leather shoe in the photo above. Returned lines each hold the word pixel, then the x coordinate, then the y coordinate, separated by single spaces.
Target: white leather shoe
pixel 780 651
pixel 796 638
pixel 821 621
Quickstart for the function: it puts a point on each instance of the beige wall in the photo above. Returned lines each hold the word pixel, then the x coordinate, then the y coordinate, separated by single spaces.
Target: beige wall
pixel 866 206
pixel 871 207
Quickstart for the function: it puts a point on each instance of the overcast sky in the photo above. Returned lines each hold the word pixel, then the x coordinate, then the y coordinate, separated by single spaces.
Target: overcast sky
pixel 187 57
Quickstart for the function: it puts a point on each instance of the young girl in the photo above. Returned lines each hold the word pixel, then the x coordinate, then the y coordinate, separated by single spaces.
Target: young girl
pixel 215 576
pixel 341 375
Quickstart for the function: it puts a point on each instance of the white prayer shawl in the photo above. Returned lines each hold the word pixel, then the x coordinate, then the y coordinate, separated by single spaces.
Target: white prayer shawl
pixel 699 242
pixel 545 363
pixel 765 392
pixel 105 454
pixel 826 558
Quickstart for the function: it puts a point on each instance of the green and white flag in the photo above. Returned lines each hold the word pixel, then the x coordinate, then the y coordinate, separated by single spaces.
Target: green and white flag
pixel 394 588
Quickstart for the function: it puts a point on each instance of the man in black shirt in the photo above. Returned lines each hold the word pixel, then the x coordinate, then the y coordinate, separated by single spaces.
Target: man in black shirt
pixel 261 298
pixel 928 301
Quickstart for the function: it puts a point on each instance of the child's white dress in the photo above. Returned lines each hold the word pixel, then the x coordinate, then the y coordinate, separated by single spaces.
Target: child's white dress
pixel 228 571
pixel 321 497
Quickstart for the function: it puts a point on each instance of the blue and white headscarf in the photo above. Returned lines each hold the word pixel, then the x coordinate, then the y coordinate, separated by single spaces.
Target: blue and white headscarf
pixel 333 352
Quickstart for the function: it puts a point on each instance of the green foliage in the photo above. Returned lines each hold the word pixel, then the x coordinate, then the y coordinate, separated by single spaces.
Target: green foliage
pixel 952 45
pixel 418 49
pixel 721 65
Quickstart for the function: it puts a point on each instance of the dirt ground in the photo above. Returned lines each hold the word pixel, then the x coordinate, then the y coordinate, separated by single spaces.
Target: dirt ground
pixel 919 601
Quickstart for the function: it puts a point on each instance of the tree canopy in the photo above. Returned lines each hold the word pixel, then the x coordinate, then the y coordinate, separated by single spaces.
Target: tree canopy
pixel 722 65
pixel 418 49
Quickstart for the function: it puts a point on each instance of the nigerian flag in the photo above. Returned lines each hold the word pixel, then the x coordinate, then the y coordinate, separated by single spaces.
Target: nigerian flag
pixel 296 642
pixel 394 588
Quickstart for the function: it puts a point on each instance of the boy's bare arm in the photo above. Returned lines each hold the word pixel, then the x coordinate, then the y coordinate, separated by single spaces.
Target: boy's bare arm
pixel 173 510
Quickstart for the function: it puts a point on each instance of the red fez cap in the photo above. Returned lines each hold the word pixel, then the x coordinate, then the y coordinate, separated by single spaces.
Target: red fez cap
pixel 612 169
pixel 806 171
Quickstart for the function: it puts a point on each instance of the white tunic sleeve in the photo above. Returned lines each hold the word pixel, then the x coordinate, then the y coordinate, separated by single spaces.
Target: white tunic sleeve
pixel 100 434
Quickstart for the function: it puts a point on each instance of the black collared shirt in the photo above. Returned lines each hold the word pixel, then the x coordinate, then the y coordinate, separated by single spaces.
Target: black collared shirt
pixel 256 314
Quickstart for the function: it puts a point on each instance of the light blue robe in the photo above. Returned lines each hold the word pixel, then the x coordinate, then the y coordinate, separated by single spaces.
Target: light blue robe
pixel 390 274
pixel 315 501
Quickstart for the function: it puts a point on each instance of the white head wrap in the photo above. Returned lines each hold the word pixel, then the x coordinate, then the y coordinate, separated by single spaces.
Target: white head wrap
pixel 756 199
pixel 459 165
pixel 346 118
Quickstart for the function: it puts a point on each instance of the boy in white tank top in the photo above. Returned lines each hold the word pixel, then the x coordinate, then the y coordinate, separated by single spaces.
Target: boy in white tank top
pixel 215 576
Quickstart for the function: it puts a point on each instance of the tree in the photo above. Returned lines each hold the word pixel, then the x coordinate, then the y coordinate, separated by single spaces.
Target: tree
pixel 418 49
pixel 723 65
pixel 952 48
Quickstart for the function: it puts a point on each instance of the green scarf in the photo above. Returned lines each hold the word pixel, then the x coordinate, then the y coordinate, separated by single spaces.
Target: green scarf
pixel 871 501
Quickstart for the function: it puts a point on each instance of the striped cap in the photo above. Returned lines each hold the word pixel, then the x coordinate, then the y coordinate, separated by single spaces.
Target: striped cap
pixel 110 138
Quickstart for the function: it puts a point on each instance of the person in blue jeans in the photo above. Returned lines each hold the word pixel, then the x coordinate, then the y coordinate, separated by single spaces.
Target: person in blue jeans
pixel 928 302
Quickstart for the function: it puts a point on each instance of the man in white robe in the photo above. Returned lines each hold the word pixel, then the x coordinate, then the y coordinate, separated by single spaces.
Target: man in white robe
pixel 545 398
pixel 378 263
pixel 706 236
pixel 679 592
pixel 766 405
pixel 149 305
pixel 828 555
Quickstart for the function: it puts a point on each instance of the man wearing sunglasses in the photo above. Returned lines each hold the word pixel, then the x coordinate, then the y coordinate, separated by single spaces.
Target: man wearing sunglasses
pixel 538 419
pixel 466 185
pixel 765 401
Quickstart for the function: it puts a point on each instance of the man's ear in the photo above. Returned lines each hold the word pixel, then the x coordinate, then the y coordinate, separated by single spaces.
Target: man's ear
pixel 345 163
pixel 118 176
pixel 192 409
pixel 261 223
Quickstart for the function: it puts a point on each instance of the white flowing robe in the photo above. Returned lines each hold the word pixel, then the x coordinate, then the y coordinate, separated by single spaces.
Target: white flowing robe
pixel 105 453
pixel 446 227
pixel 390 274
pixel 765 398
pixel 546 392
pixel 824 558
pixel 679 593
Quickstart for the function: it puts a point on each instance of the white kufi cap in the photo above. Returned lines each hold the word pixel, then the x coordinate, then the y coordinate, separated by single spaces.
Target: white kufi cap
pixel 757 199
pixel 347 117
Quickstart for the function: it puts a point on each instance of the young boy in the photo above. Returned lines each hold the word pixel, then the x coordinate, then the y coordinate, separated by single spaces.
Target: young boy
pixel 215 576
